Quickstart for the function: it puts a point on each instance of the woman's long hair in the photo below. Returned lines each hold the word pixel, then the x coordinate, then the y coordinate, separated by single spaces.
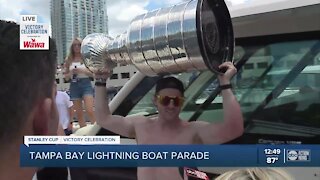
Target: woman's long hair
pixel 70 57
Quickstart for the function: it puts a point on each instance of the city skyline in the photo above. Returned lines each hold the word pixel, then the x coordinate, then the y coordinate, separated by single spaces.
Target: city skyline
pixel 76 18
pixel 120 12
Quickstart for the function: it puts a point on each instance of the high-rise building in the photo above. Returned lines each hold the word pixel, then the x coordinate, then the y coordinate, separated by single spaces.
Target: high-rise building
pixel 76 18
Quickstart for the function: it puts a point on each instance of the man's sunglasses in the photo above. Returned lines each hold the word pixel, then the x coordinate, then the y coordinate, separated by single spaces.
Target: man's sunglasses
pixel 165 100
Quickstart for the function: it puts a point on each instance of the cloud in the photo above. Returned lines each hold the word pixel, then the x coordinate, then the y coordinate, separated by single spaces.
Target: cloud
pixel 120 12
pixel 11 10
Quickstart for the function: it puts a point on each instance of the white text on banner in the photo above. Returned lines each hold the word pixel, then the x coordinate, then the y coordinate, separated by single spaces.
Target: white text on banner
pixel 72 140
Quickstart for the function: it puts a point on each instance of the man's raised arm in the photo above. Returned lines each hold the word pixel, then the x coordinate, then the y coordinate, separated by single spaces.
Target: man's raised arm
pixel 232 125
pixel 118 124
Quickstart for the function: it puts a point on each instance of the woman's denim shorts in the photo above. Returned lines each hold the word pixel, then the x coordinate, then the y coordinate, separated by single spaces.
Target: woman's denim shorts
pixel 80 88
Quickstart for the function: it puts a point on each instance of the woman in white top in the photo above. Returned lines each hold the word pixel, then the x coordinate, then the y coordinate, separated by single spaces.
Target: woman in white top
pixel 80 83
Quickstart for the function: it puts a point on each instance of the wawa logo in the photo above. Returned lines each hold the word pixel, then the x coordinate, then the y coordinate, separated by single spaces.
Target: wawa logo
pixel 33 44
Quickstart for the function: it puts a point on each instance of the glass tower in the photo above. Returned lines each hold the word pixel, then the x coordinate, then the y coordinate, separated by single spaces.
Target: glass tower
pixel 76 18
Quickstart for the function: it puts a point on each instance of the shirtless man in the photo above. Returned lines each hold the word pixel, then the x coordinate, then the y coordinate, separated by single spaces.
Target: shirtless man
pixel 168 128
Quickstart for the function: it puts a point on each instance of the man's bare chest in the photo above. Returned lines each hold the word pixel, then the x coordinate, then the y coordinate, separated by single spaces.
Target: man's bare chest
pixel 150 135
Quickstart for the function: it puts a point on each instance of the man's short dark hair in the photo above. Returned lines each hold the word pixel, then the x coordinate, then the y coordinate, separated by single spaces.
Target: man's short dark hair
pixel 27 76
pixel 169 82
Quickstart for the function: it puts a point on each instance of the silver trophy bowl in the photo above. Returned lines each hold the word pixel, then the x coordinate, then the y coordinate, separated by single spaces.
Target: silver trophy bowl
pixel 93 49
pixel 194 35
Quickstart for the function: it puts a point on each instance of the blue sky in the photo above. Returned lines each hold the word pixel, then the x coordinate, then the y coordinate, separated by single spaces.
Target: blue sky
pixel 121 12
pixel 152 4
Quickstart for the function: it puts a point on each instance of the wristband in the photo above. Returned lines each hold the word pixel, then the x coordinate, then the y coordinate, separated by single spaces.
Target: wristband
pixel 226 86
pixel 100 84
pixel 101 80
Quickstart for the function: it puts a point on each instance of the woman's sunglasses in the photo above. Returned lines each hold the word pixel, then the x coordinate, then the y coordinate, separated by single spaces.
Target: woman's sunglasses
pixel 165 100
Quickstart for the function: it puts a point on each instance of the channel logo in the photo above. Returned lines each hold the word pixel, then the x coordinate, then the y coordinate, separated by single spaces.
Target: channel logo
pixel 298 155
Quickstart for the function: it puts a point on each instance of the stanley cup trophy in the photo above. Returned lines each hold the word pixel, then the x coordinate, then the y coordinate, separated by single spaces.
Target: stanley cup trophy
pixel 194 35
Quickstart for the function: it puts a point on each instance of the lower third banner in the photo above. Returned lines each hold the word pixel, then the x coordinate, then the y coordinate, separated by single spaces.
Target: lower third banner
pixel 169 155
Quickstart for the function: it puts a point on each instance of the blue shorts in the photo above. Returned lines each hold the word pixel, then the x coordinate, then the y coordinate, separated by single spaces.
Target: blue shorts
pixel 80 88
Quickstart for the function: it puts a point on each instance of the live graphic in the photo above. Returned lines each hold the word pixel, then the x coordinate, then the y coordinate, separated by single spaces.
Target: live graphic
pixel 33 35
